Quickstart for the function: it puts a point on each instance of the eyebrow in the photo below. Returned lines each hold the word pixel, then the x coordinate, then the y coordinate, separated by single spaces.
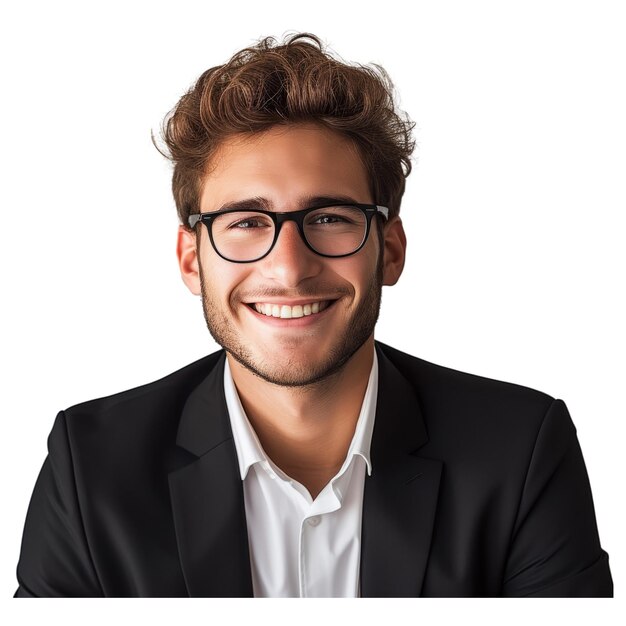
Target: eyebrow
pixel 258 202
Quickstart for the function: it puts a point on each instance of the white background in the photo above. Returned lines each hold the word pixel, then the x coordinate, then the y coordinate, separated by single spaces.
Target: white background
pixel 514 211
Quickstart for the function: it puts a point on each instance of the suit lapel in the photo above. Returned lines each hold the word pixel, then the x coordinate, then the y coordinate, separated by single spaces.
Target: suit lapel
pixel 401 494
pixel 207 497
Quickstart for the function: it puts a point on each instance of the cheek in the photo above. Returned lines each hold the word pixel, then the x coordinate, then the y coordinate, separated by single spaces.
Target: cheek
pixel 230 283
pixel 358 271
pixel 222 279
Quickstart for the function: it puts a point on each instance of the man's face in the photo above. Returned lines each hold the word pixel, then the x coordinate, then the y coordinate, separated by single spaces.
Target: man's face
pixel 287 166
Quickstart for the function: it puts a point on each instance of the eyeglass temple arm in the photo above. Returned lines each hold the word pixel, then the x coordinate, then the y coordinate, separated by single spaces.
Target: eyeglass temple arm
pixel 194 219
pixel 384 210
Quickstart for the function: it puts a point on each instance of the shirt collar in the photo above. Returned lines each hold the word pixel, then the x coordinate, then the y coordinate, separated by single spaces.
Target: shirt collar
pixel 248 446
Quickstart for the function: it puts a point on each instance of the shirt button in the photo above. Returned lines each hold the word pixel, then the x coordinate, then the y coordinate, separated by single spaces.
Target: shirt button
pixel 314 521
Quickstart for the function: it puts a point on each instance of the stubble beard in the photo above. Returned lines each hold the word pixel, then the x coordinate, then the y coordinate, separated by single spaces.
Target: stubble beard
pixel 358 330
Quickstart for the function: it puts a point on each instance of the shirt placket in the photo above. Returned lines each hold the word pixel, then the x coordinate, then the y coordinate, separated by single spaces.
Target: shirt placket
pixel 313 549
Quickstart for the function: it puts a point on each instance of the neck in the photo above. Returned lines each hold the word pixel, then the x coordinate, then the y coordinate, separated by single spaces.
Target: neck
pixel 306 431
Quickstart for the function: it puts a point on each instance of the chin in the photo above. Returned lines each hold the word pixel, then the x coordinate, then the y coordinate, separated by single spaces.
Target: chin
pixel 298 370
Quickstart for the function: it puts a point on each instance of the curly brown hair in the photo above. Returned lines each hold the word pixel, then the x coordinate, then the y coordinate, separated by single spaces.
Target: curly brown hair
pixel 297 81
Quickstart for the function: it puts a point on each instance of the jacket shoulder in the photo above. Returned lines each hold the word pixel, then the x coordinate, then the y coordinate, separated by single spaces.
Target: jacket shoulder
pixel 450 398
pixel 437 378
pixel 165 396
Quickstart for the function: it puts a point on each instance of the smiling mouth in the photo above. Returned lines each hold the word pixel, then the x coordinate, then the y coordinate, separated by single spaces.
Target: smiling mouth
pixel 286 311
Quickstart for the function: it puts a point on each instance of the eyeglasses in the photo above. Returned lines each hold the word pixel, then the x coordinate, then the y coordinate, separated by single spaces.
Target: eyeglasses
pixel 244 236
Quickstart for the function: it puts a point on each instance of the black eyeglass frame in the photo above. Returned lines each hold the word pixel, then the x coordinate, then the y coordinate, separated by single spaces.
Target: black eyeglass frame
pixel 279 218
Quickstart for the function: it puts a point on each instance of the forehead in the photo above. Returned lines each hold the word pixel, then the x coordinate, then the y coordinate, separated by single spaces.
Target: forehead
pixel 284 164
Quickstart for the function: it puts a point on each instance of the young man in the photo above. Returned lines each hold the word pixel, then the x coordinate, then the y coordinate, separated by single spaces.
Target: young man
pixel 305 459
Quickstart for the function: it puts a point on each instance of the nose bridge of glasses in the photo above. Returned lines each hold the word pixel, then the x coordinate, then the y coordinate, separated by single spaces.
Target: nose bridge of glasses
pixel 293 216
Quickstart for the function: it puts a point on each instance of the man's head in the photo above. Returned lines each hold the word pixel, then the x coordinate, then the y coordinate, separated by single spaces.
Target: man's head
pixel 298 81
pixel 279 128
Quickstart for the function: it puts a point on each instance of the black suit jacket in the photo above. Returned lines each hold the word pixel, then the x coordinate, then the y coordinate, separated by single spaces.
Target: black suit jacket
pixel 478 488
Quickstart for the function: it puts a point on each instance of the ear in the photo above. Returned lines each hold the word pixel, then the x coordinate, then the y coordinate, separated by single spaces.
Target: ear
pixel 394 251
pixel 187 254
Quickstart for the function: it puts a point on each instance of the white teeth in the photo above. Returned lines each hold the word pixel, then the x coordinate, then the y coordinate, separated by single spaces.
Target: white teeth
pixel 285 311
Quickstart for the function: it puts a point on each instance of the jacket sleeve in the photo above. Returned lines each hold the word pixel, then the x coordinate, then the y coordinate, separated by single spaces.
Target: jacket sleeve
pixel 555 549
pixel 55 560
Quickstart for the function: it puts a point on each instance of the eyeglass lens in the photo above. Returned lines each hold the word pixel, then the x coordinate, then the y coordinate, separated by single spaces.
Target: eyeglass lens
pixel 247 235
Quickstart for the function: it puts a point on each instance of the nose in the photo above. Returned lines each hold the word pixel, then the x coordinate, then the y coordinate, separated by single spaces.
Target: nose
pixel 290 262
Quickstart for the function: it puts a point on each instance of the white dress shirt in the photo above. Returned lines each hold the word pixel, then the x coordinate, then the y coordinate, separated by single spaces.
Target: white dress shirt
pixel 301 547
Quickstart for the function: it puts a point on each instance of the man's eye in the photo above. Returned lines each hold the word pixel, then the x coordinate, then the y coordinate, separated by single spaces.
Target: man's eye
pixel 249 223
pixel 245 224
pixel 329 219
